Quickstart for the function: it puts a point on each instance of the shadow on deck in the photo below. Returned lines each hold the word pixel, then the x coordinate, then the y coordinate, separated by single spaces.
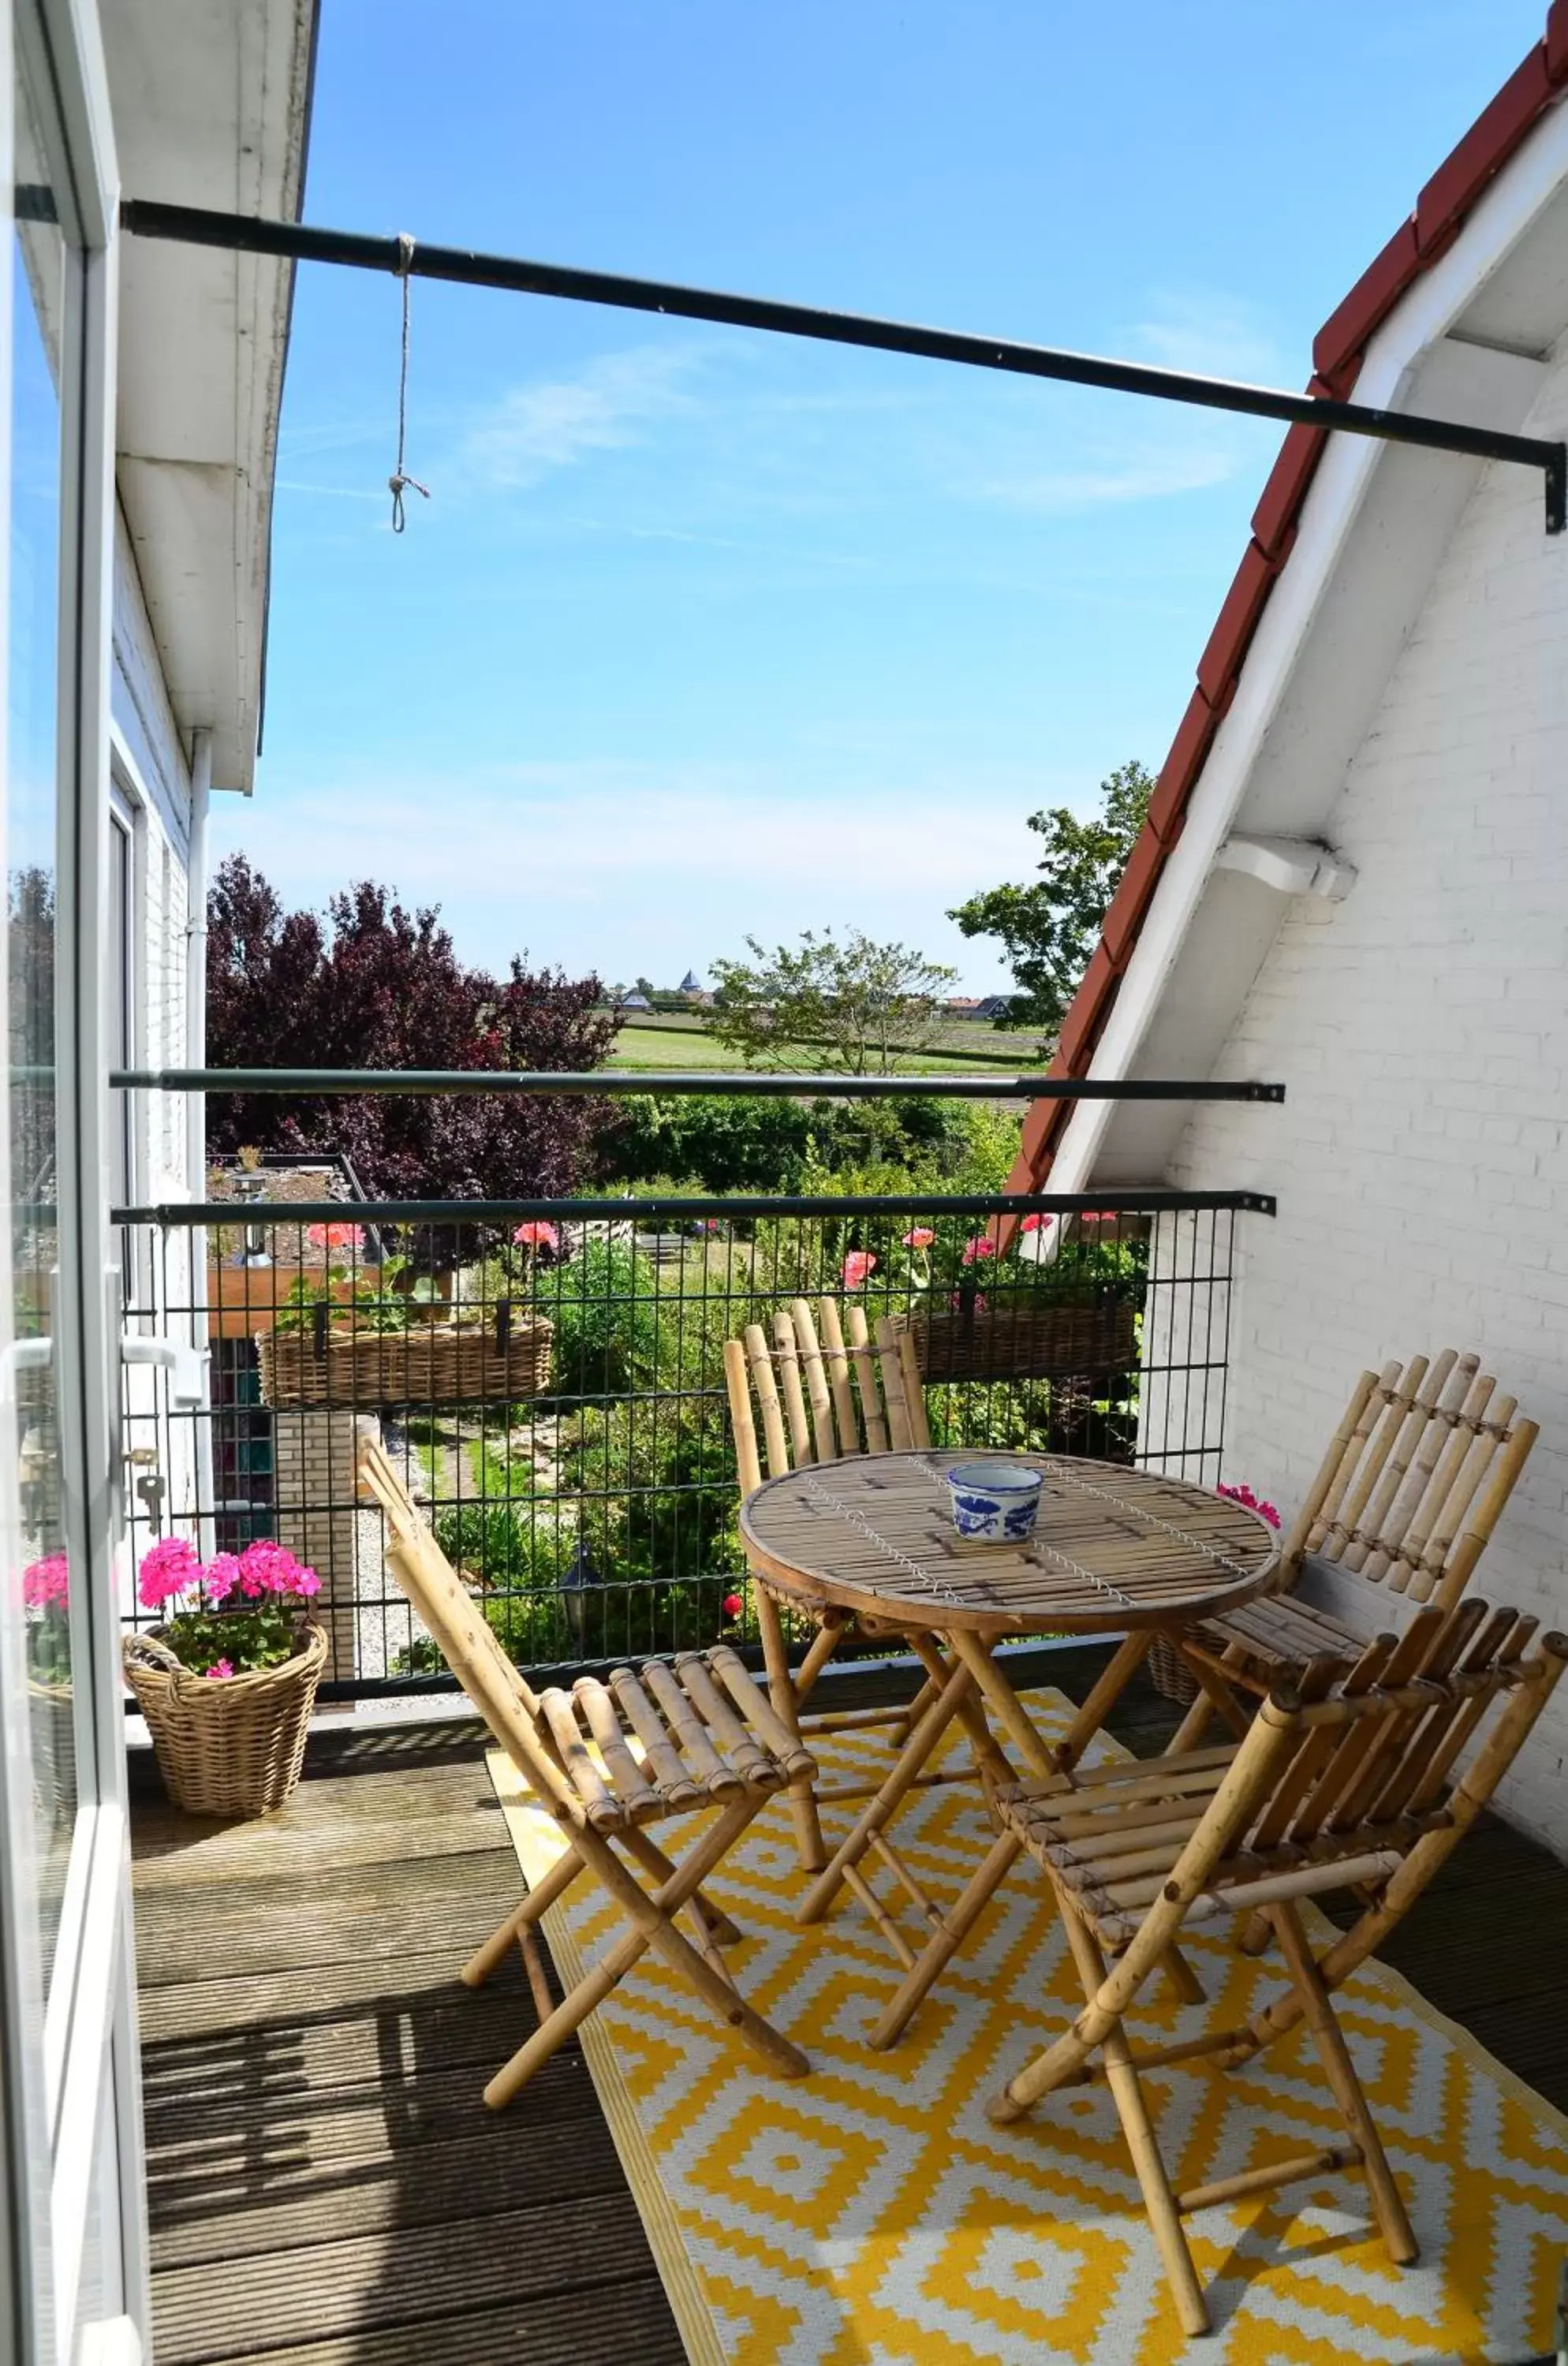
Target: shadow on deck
pixel 326 2186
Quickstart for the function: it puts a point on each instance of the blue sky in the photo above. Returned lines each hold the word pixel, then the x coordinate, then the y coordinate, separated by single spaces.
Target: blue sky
pixel 703 633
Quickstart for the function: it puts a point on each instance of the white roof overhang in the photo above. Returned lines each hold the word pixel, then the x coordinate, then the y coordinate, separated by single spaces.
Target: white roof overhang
pixel 211 104
pixel 1470 341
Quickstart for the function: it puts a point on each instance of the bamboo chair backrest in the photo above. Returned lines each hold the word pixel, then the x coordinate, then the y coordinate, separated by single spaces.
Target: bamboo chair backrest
pixel 1414 1479
pixel 1355 1778
pixel 819 1396
pixel 463 1636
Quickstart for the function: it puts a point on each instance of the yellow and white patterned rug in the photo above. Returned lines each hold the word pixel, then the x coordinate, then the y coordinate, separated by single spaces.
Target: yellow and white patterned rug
pixel 871 2215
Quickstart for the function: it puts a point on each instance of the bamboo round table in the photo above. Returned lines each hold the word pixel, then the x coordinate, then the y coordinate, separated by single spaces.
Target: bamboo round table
pixel 1114 1550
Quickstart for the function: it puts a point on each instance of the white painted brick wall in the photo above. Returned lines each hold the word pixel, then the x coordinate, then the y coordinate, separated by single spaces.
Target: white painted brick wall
pixel 1421 1030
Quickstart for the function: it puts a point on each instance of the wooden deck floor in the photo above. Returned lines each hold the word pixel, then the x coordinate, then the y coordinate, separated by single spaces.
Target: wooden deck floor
pixel 327 2188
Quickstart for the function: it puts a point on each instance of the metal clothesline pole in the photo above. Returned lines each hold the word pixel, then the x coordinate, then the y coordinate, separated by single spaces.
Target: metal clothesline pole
pixel 306 242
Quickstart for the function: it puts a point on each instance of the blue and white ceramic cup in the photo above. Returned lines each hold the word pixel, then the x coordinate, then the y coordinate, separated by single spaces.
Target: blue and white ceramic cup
pixel 994 1503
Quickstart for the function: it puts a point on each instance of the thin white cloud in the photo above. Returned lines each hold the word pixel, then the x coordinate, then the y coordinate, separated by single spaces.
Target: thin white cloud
pixel 1150 475
pixel 1208 331
pixel 550 424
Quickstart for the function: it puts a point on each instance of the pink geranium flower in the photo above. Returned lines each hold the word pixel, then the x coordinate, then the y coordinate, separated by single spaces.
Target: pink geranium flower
pixel 221 1669
pixel 858 1266
pixel 222 1575
pixel 47 1582
pixel 1244 1495
pixel 168 1569
pixel 983 1246
pixel 1036 1224
pixel 536 1235
pixel 975 1305
pixel 921 1237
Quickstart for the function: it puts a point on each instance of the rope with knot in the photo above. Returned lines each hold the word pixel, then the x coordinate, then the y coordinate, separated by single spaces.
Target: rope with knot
pixel 399 481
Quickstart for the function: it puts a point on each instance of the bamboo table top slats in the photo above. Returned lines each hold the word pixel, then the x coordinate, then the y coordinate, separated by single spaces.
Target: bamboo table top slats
pixel 1113 1547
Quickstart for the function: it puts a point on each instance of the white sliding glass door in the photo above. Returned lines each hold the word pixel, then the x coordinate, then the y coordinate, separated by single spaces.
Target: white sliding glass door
pixel 72 2265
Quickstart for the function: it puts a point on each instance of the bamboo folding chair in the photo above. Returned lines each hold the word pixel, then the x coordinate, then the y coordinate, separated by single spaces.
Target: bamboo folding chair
pixel 819 1397
pixel 1414 1481
pixel 1349 1790
pixel 607 1760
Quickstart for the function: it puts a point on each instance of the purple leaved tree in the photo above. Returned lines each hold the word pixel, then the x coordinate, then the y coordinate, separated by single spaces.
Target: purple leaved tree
pixel 377 986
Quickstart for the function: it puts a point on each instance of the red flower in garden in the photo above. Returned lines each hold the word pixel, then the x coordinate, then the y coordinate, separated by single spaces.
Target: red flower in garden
pixel 731 1606
pixel 335 1237
pixel 538 1235
pixel 984 1247
pixel 921 1237
pixel 857 1266
pixel 1036 1224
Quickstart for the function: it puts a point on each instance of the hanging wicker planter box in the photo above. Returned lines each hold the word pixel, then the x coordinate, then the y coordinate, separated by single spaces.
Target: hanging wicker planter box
pixel 437 1364
pixel 231 1748
pixel 1026 1343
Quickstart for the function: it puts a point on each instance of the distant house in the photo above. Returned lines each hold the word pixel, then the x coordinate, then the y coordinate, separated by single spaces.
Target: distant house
pixel 994 1006
pixel 633 1002
pixel 691 984
pixel 964 1006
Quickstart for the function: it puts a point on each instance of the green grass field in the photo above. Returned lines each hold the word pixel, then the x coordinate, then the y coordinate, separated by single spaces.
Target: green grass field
pixel 685 1044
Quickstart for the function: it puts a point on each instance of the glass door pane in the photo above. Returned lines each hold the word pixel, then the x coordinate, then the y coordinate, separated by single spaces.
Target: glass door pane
pixel 33 709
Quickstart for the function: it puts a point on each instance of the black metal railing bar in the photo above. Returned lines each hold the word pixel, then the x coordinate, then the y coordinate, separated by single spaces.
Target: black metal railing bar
pixel 769 1083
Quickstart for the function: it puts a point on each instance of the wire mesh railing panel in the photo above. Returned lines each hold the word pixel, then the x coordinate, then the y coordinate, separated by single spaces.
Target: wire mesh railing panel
pixel 548 1379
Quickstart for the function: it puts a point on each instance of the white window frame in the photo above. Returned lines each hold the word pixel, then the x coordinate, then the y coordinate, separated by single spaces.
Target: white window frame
pixel 72 2181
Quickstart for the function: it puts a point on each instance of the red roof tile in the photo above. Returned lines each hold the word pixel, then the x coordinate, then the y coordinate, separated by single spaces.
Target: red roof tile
pixel 1451 194
pixel 1486 147
pixel 1278 504
pixel 1234 626
pixel 1344 334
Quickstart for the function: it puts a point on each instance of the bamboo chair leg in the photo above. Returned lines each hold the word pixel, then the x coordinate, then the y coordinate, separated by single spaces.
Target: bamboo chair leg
pixel 1256 1933
pixel 1214 1694
pixel 568 1867
pixel 653 1860
pixel 1393 2223
pixel 809 1845
pixel 945 1942
pixel 534 1971
pixel 677 1951
pixel 1189 1988
pixel 652 1927
pixel 1136 2126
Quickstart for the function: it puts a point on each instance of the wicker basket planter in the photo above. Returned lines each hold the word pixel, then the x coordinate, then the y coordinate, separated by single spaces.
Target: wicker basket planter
pixel 233 1748
pixel 51 1732
pixel 1169 1673
pixel 432 1363
pixel 1026 1343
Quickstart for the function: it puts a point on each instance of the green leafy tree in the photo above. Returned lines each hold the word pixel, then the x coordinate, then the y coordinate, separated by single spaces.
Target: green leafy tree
pixel 854 1007
pixel 1049 927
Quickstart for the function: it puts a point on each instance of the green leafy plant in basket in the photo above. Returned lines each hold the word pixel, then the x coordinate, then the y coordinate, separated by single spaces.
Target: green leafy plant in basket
pixel 391 1304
